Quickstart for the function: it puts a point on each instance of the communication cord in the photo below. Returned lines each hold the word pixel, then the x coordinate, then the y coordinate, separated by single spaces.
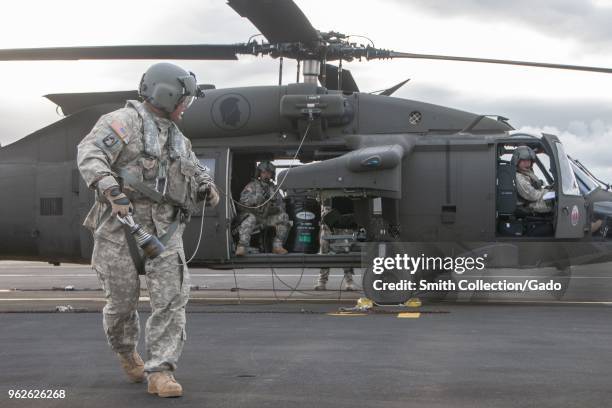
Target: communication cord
pixel 280 184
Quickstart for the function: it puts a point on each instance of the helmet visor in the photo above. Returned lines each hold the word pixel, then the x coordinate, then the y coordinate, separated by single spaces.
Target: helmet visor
pixel 187 101
pixel 189 83
pixel 190 90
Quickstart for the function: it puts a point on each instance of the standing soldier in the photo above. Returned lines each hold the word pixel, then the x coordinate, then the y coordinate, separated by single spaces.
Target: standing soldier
pixel 262 204
pixel 325 249
pixel 139 163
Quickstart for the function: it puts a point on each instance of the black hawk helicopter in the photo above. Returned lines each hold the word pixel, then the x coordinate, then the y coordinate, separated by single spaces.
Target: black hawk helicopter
pixel 400 170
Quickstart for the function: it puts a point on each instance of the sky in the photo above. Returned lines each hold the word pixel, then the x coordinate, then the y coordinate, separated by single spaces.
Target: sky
pixel 576 106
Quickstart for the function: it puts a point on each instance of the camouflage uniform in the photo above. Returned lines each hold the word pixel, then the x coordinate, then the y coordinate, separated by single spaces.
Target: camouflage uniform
pixel 529 189
pixel 272 214
pixel 135 142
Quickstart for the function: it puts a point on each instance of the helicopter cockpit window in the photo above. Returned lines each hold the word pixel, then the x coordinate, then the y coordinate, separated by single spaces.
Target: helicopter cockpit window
pixel 585 183
pixel 569 185
pixel 542 168
pixel 514 217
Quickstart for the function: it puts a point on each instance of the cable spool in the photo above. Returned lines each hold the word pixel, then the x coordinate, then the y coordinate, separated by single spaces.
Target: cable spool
pixel 305 213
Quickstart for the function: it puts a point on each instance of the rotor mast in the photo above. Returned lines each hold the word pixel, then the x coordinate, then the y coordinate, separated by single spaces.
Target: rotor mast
pixel 311 71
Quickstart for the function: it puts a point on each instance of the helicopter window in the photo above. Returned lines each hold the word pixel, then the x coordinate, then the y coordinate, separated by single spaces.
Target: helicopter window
pixel 585 183
pixel 587 175
pixel 569 184
pixel 584 189
pixel 513 219
pixel 542 167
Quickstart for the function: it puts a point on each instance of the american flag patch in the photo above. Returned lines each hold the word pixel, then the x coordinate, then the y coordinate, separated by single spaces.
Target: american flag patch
pixel 120 130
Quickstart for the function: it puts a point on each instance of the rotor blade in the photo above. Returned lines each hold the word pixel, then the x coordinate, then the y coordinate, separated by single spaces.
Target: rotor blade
pixel 331 79
pixel 393 54
pixel 126 52
pixel 391 91
pixel 74 102
pixel 280 21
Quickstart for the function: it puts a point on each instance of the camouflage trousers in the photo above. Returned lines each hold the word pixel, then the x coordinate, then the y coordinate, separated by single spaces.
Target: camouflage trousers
pixel 168 284
pixel 540 206
pixel 324 275
pixel 279 221
pixel 324 248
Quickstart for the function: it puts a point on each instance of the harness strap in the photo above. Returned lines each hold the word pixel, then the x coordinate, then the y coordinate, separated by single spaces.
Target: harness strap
pixel 171 230
pixel 157 197
pixel 141 187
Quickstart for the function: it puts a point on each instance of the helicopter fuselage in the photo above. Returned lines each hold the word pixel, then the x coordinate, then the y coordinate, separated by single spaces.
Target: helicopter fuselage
pixel 411 171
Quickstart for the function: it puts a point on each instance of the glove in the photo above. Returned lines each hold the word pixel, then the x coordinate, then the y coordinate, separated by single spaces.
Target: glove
pixel 119 202
pixel 210 192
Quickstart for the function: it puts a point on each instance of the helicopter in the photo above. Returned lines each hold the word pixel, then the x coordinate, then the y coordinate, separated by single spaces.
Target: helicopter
pixel 401 170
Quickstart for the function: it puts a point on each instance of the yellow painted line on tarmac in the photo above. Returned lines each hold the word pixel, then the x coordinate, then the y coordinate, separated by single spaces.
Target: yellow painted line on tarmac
pixel 347 314
pixel 409 315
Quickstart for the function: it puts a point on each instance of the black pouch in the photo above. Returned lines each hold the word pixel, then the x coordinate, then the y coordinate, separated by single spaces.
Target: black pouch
pixel 539 229
pixel 512 228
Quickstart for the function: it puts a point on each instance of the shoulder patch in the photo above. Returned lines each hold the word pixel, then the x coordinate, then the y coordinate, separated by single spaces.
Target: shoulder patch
pixel 120 131
pixel 108 142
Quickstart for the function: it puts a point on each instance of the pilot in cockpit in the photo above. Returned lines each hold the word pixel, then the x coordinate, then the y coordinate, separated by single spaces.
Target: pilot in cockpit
pixel 532 195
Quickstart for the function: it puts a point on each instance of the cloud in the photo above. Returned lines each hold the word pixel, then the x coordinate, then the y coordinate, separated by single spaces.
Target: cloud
pixel 522 111
pixel 588 146
pixel 584 126
pixel 580 20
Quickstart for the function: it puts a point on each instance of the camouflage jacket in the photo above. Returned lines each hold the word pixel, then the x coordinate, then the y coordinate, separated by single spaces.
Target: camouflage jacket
pixel 529 189
pixel 130 143
pixel 256 193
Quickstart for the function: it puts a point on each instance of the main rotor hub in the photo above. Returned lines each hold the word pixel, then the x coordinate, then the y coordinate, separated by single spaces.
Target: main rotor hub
pixel 332 46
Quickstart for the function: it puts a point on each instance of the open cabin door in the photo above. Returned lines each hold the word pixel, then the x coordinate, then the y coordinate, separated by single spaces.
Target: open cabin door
pixel 570 211
pixel 214 245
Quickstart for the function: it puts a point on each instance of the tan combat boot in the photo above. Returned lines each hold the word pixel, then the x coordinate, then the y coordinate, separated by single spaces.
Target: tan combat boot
pixel 279 250
pixel 163 384
pixel 323 278
pixel 240 250
pixel 320 285
pixel 133 366
pixel 350 284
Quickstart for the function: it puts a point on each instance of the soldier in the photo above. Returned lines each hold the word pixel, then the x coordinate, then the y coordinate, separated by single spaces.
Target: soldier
pixel 529 187
pixel 325 249
pixel 138 161
pixel 262 204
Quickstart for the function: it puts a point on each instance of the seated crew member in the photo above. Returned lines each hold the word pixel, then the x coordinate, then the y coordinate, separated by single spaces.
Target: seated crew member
pixel 263 205
pixel 528 186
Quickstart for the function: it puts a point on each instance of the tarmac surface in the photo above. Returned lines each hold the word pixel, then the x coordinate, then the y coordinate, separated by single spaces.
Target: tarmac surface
pixel 287 348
